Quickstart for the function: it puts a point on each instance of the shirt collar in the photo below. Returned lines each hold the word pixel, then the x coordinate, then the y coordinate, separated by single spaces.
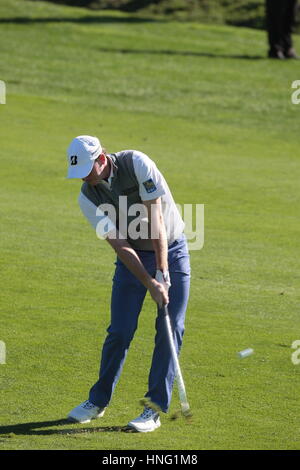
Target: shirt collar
pixel 113 170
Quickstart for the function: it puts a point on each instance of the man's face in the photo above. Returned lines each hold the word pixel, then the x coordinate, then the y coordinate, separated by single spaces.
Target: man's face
pixel 98 171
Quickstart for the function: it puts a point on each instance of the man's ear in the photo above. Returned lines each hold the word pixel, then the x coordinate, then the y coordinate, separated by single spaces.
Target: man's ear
pixel 101 158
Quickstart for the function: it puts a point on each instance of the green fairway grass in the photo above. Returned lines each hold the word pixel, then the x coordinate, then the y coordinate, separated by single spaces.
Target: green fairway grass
pixel 216 116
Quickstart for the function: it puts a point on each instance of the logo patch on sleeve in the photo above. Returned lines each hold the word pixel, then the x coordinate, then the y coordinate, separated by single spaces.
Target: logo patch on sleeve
pixel 149 186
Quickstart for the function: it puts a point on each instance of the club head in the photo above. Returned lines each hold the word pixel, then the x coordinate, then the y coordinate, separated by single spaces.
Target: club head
pixel 187 414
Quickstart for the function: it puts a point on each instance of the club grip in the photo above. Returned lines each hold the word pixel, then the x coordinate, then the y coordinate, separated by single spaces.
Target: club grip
pixel 164 310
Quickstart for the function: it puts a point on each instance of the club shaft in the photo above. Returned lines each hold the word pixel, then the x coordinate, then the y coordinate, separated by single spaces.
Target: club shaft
pixel 180 383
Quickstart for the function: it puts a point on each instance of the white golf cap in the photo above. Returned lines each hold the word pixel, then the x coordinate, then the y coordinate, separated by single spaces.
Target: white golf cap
pixel 82 152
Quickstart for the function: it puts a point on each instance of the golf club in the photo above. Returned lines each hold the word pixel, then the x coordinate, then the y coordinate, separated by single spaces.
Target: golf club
pixel 185 407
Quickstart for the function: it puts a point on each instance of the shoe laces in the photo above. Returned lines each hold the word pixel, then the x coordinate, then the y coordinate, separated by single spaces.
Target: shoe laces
pixel 88 405
pixel 148 413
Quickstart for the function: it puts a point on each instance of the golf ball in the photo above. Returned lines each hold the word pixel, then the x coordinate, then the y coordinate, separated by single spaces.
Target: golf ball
pixel 245 353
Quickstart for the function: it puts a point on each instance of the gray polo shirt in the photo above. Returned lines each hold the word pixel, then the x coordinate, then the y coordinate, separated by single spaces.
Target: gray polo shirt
pixel 114 204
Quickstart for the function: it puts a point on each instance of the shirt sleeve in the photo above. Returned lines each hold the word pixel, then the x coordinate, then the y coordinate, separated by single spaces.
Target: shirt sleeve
pixel 151 185
pixel 97 218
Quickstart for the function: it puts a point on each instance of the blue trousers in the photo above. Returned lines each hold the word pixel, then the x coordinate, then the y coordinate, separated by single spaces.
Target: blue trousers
pixel 128 295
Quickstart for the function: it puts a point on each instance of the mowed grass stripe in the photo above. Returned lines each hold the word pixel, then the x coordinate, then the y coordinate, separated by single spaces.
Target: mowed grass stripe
pixel 220 125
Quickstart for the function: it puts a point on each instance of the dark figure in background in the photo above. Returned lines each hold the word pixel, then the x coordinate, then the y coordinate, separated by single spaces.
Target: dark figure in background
pixel 281 15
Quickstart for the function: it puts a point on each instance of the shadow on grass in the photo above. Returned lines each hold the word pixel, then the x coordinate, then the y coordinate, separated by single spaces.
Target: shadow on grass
pixel 34 428
pixel 82 20
pixel 181 53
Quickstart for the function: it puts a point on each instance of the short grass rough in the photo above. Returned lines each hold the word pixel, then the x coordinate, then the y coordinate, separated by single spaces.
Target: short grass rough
pixel 217 117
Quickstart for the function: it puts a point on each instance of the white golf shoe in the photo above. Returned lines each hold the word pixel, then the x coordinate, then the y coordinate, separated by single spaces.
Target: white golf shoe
pixel 85 412
pixel 147 421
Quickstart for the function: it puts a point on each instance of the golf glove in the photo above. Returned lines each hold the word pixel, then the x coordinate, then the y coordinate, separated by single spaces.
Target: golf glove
pixel 163 278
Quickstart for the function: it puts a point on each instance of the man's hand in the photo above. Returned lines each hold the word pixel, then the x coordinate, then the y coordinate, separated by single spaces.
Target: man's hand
pixel 158 293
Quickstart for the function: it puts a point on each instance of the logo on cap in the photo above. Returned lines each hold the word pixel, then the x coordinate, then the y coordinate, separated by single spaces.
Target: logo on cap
pixel 73 160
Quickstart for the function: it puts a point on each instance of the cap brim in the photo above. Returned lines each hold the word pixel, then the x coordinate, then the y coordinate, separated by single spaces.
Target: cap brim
pixel 80 171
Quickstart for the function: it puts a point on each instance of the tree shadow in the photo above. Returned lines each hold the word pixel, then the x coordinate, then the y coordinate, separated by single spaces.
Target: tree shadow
pixel 83 19
pixel 33 428
pixel 181 53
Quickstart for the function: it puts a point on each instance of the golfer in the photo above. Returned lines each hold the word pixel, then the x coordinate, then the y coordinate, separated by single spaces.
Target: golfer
pixel 128 202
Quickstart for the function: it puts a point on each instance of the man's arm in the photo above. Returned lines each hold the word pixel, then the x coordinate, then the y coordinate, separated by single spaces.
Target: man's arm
pixel 159 241
pixel 125 252
pixel 158 233
pixel 132 261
